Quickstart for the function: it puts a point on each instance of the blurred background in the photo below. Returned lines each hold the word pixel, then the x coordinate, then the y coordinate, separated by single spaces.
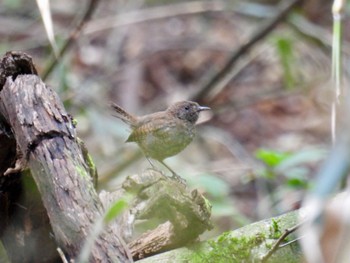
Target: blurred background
pixel 269 129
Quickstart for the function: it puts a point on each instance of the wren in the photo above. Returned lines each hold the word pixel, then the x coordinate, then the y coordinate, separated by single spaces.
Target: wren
pixel 165 133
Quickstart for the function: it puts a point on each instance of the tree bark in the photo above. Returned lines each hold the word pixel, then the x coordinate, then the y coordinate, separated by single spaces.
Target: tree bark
pixel 47 140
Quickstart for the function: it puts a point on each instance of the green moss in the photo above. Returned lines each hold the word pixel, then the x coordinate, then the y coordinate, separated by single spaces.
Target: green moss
pixel 92 168
pixel 74 122
pixel 89 161
pixel 242 246
pixel 82 171
pixel 229 249
pixel 275 230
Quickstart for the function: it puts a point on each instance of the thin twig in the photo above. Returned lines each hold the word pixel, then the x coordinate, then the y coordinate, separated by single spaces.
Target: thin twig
pixel 221 78
pixel 154 13
pixel 73 35
pixel 63 257
pixel 277 245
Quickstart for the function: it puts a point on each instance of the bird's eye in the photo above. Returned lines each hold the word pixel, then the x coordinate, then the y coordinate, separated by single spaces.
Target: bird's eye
pixel 187 107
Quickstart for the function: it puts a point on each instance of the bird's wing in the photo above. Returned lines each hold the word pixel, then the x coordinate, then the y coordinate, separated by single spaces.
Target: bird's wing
pixel 157 127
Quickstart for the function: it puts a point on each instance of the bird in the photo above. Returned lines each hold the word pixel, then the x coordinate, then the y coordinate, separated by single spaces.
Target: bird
pixel 162 134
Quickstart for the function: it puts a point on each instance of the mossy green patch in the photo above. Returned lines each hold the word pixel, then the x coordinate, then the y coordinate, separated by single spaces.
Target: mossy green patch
pixel 240 248
pixel 82 171
pixel 275 230
pixel 230 249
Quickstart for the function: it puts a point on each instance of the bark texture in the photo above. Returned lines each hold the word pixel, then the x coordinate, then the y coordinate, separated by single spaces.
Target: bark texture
pixel 47 140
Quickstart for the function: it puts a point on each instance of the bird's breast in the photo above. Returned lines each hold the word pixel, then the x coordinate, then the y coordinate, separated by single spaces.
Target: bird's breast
pixel 163 140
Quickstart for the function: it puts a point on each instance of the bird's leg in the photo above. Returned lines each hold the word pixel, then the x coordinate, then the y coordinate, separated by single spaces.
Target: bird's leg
pixel 174 175
pixel 151 163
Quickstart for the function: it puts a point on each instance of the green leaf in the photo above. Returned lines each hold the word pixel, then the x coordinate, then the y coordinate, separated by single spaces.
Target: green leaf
pixel 270 157
pixel 115 210
pixel 298 183
pixel 311 155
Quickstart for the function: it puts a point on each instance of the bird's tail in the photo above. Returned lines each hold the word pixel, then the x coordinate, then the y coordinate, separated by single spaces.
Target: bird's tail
pixel 126 117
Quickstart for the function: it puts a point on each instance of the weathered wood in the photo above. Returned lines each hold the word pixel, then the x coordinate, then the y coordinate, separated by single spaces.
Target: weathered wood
pixel 11 64
pixel 24 225
pixel 184 214
pixel 47 139
pixel 155 241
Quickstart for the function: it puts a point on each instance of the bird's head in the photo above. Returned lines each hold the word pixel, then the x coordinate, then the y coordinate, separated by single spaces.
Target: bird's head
pixel 187 110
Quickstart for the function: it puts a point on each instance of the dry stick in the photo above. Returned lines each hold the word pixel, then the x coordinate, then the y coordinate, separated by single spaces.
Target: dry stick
pixel 73 35
pixel 63 257
pixel 221 77
pixel 279 241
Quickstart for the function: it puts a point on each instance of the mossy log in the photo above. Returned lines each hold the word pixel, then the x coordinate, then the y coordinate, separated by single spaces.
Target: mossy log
pixel 34 117
pixel 247 244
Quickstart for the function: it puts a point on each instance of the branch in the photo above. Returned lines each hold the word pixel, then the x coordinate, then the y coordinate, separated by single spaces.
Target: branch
pixel 72 37
pixel 246 244
pixel 276 246
pixel 223 77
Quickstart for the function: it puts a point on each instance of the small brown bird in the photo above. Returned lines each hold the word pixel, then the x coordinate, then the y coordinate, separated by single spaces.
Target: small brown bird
pixel 165 133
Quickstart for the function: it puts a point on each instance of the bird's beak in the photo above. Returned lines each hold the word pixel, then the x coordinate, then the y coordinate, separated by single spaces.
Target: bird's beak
pixel 202 108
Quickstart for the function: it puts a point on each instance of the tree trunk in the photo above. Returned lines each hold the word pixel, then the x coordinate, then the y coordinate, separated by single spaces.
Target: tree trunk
pixel 46 140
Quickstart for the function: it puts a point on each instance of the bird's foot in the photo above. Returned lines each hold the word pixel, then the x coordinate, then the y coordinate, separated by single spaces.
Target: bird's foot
pixel 178 178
